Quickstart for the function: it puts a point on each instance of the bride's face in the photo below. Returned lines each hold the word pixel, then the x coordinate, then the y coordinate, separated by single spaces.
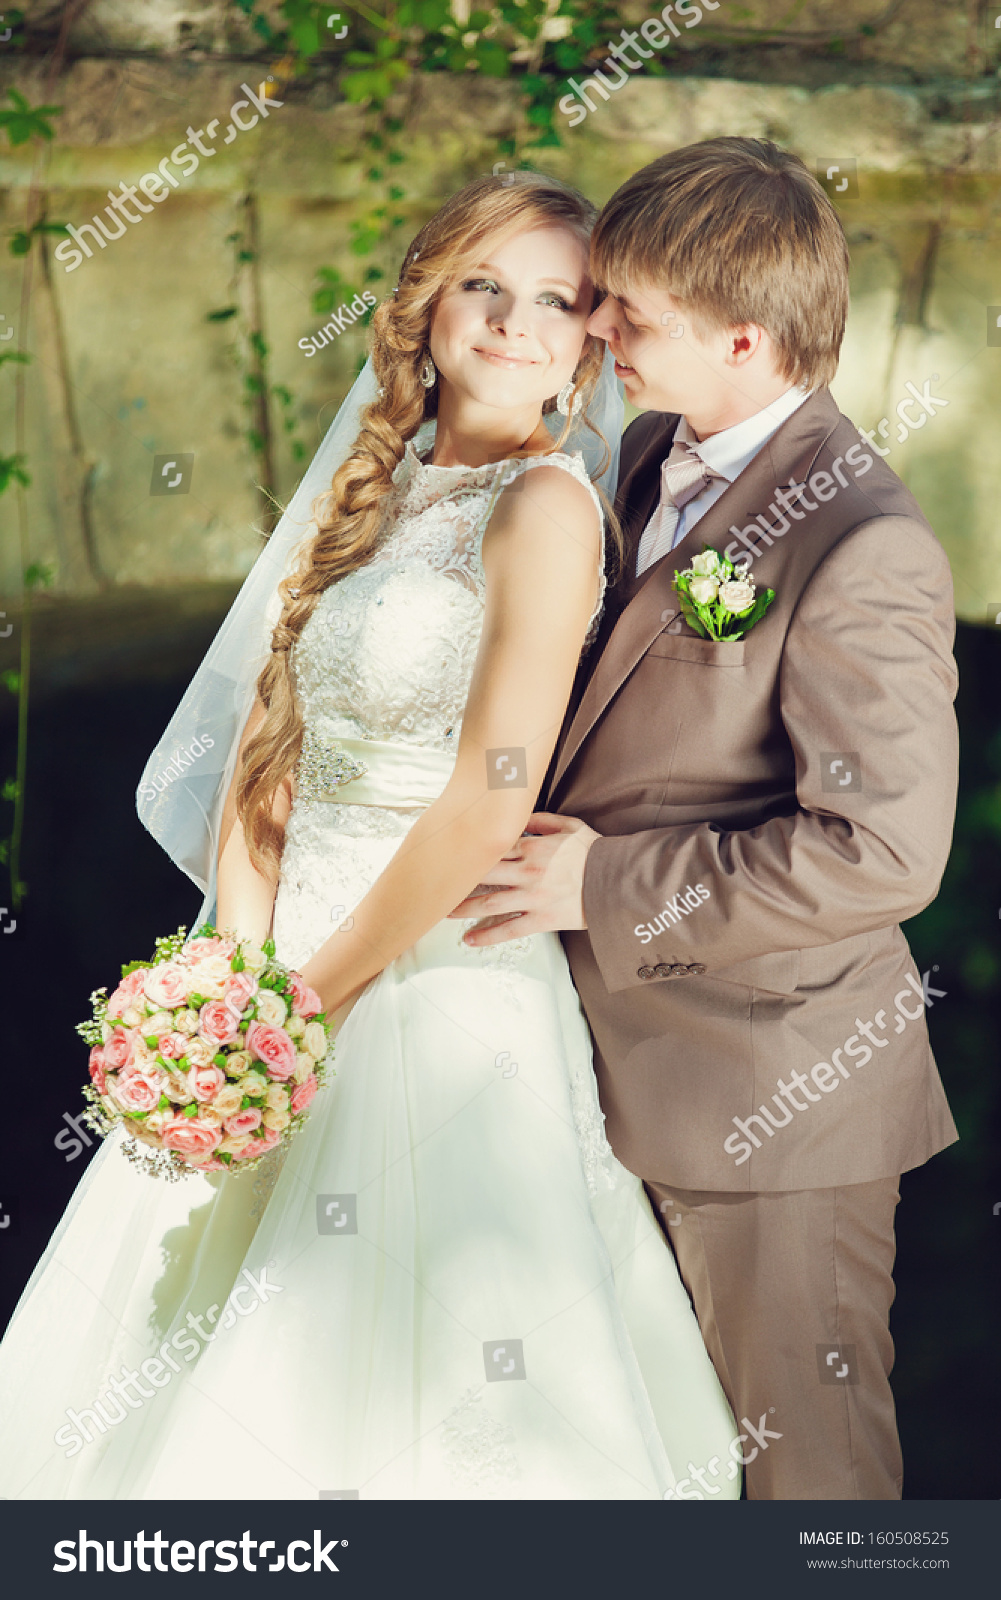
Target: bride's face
pixel 510 333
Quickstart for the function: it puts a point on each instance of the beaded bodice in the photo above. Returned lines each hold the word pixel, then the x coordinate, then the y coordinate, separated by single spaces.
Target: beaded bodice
pixel 388 652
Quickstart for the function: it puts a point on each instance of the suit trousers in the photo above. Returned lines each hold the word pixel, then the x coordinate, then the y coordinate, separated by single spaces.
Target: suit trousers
pixel 792 1291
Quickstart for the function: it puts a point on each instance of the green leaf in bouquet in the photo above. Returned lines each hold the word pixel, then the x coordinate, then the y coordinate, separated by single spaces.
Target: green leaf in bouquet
pixel 268 947
pixel 237 964
pixel 163 1104
pixel 196 1001
pixel 151 1040
pixel 226 1157
pixel 137 1115
pixel 692 615
pixel 133 966
pixel 755 613
pixel 245 1102
pixel 190 1111
pixel 183 1064
pixel 245 1024
pixel 220 1060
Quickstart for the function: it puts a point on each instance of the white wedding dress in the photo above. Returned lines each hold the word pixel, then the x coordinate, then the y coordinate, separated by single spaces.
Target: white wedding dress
pixel 447 1288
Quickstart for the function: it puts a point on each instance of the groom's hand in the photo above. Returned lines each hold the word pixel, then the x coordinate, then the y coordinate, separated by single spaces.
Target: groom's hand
pixel 538 887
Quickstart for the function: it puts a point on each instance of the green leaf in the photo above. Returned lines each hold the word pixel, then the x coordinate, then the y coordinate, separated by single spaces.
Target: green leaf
pixel 190 1111
pixel 223 315
pixel 163 1104
pixel 39 575
pixel 14 355
pixel 20 243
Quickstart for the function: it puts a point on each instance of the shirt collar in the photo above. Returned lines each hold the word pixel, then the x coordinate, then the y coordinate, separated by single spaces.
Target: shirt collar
pixel 732 449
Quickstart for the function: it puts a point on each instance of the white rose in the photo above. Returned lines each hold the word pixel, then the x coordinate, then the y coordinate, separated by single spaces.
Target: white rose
pixel 296 1026
pixel 237 1062
pixel 232 1145
pixel 706 564
pixel 200 1053
pixel 186 1021
pixel 253 958
pixel 736 595
pixel 315 1040
pixel 703 590
pixel 253 1084
pixel 304 1065
pixel 132 1017
pixel 228 1100
pixel 277 1097
pixel 176 1089
pixel 276 1119
pixel 209 1116
pixel 159 1022
pixel 208 977
pixel 106 1031
pixel 271 1008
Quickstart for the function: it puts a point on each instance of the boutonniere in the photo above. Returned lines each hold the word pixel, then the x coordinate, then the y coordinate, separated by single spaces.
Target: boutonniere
pixel 718 599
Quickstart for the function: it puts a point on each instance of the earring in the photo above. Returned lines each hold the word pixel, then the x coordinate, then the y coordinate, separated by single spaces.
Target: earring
pixel 564 400
pixel 429 372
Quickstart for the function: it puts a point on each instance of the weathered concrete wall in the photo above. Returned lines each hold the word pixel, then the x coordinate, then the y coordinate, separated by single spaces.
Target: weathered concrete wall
pixel 148 375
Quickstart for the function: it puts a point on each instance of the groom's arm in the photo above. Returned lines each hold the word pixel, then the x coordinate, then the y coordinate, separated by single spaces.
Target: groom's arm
pixel 867 668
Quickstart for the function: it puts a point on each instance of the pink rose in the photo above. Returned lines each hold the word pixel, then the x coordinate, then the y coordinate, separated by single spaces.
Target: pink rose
pixel 303 1093
pixel 205 1082
pixel 141 1090
pixel 239 990
pixel 305 1001
pixel 218 1024
pixel 190 1136
pixel 172 1046
pixel 197 949
pixel 129 990
pixel 119 1048
pixel 167 985
pixel 260 1147
pixel 243 1121
pixel 272 1046
pixel 96 1070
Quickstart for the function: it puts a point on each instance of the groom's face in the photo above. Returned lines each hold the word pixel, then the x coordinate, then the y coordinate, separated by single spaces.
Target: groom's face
pixel 665 362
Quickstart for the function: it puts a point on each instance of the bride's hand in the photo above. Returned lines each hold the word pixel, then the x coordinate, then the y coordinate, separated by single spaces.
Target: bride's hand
pixel 538 887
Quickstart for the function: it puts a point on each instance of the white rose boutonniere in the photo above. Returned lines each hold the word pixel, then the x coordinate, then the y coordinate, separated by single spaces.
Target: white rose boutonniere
pixel 718 600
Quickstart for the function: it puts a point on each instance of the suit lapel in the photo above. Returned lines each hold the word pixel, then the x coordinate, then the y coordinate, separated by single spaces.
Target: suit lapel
pixel 649 604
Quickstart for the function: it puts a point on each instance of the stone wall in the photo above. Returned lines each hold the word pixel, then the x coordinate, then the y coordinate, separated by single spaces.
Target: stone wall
pixel 126 367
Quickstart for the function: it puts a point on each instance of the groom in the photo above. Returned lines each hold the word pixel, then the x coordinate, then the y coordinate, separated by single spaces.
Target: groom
pixel 736 829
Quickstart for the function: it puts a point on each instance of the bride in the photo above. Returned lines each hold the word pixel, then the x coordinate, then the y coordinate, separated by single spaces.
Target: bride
pixel 446 1287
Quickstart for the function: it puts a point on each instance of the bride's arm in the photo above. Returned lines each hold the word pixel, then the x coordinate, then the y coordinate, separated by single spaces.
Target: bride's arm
pixel 541 558
pixel 245 897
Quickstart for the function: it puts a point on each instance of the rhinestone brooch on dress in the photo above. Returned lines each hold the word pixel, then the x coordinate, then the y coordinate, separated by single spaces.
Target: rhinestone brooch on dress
pixel 323 766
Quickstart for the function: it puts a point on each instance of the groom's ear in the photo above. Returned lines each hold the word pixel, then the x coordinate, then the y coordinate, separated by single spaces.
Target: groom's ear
pixel 744 340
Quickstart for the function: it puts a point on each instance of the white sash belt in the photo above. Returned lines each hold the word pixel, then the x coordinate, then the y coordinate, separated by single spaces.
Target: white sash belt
pixel 372 772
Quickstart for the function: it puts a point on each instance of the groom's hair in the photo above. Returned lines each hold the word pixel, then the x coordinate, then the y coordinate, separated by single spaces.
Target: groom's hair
pixel 736 230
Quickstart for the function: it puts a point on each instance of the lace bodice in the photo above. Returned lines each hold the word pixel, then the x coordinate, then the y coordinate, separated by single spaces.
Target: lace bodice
pixel 388 652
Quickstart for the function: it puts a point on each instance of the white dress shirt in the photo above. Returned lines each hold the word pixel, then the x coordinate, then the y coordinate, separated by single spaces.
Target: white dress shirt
pixel 727 453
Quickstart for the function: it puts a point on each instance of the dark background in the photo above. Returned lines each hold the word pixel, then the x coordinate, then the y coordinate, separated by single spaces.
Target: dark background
pixel 101 891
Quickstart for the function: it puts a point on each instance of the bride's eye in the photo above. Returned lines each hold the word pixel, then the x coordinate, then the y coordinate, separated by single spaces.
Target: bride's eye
pixel 480 283
pixel 553 299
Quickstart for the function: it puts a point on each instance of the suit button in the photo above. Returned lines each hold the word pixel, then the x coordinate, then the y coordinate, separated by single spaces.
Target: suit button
pixel 644 972
pixel 697 967
pixel 663 971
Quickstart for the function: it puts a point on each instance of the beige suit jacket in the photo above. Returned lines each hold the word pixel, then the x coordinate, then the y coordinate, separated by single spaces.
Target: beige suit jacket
pixel 758 1019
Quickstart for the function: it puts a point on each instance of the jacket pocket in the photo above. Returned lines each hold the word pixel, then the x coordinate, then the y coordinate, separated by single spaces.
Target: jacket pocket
pixel 698 652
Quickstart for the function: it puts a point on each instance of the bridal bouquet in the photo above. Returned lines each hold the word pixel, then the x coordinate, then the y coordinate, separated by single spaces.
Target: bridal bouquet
pixel 208 1055
pixel 717 599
